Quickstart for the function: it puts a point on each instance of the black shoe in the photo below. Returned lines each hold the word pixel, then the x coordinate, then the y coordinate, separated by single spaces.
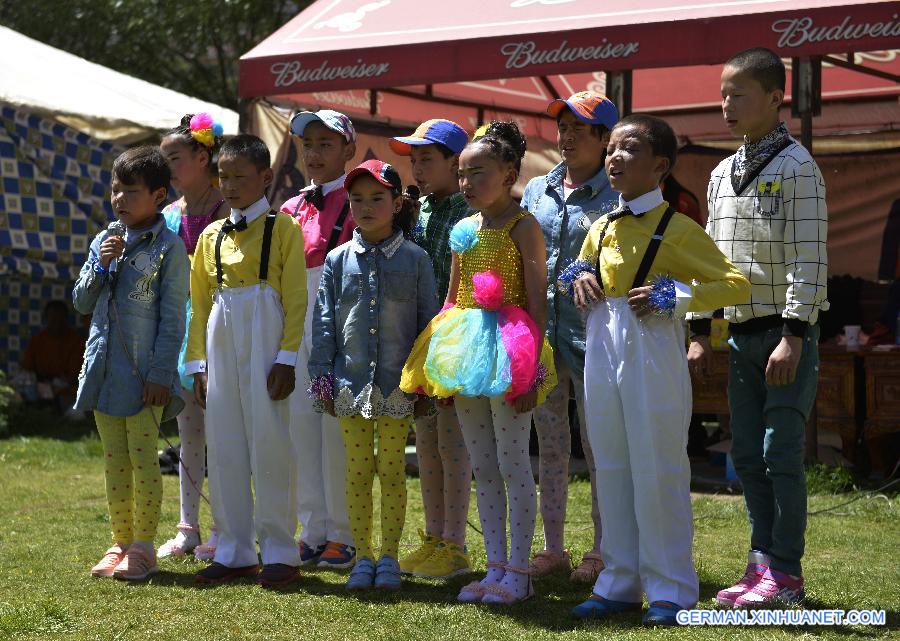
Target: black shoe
pixel 276 575
pixel 216 573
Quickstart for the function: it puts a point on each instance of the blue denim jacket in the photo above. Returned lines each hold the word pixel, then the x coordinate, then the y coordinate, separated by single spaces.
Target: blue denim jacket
pixel 150 288
pixel 565 224
pixel 373 302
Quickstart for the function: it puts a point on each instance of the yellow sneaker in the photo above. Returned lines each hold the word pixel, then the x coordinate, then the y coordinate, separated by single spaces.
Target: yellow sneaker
pixel 449 559
pixel 409 563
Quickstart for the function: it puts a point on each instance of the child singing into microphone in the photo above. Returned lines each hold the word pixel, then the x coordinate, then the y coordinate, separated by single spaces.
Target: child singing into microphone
pixel 129 378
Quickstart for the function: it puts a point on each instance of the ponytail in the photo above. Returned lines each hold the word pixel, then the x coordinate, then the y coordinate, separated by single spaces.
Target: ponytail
pixel 404 220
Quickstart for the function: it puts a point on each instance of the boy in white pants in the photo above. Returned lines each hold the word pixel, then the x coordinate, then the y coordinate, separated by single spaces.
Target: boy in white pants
pixel 637 388
pixel 248 294
pixel 322 210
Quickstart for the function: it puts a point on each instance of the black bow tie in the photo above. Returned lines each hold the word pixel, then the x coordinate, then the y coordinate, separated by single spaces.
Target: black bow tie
pixel 315 197
pixel 621 213
pixel 229 226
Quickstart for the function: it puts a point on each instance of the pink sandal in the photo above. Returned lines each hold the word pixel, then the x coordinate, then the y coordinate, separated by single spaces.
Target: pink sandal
pixel 185 542
pixel 588 570
pixel 498 595
pixel 546 562
pixel 207 551
pixel 474 591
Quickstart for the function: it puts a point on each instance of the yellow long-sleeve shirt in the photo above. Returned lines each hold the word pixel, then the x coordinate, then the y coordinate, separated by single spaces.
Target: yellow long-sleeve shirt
pixel 240 268
pixel 686 254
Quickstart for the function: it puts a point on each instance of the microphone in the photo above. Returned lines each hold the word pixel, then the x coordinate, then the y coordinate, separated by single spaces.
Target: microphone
pixel 412 192
pixel 116 228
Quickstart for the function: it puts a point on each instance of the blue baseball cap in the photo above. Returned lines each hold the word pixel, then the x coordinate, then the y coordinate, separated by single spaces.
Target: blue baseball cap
pixel 444 132
pixel 592 108
pixel 334 120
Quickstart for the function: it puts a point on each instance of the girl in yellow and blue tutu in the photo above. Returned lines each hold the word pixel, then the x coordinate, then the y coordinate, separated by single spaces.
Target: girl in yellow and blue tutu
pixel 487 350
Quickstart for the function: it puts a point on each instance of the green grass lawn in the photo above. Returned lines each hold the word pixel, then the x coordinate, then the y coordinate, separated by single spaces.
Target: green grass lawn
pixel 54 527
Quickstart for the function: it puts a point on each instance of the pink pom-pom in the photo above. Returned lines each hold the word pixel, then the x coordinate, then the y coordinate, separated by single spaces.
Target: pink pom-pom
pixel 201 121
pixel 487 289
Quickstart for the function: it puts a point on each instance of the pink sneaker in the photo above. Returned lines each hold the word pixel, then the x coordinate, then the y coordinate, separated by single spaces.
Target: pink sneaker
pixel 137 565
pixel 773 587
pixel 108 563
pixel 757 564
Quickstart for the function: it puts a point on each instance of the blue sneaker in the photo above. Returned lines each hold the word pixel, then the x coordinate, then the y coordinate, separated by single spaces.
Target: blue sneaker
pixel 310 555
pixel 387 574
pixel 602 608
pixel 362 576
pixel 662 613
pixel 337 556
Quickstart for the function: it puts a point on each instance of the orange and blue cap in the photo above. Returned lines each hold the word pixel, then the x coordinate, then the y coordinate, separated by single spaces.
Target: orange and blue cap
pixel 430 132
pixel 381 171
pixel 592 108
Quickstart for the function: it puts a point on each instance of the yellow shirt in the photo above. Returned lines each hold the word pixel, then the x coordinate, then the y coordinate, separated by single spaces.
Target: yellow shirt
pixel 686 254
pixel 240 268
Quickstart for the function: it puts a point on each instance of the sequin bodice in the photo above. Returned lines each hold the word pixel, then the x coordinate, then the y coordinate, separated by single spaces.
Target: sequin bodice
pixel 495 250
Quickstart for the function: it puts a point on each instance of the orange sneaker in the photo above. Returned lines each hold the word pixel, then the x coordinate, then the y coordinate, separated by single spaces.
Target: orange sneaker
pixel 137 565
pixel 108 563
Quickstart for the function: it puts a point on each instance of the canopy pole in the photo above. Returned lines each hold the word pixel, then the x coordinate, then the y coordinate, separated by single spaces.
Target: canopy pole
pixel 618 89
pixel 244 114
pixel 806 95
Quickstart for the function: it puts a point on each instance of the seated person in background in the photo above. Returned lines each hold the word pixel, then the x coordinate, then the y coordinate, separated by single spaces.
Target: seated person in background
pixel 53 358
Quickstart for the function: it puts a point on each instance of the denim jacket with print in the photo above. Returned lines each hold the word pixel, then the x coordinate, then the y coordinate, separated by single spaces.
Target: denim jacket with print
pixel 565 223
pixel 373 301
pixel 150 289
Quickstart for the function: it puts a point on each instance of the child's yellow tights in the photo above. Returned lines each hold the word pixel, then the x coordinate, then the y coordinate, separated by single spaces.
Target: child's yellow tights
pixel 133 479
pixel 362 465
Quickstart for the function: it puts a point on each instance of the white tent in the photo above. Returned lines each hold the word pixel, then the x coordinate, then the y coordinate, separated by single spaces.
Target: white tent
pixel 95 100
pixel 62 122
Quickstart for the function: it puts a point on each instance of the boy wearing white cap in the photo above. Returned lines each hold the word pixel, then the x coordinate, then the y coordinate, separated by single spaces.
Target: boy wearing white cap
pixel 328 143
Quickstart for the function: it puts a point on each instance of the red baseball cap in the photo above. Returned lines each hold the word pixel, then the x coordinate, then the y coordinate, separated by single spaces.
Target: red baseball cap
pixel 377 169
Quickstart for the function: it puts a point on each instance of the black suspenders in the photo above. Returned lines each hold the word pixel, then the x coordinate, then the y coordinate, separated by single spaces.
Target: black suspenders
pixel 338 224
pixel 652 249
pixel 649 255
pixel 263 256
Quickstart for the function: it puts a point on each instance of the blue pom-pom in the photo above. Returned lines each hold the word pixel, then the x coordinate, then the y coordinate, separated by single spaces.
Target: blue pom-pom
pixel 418 233
pixel 464 235
pixel 662 295
pixel 218 129
pixel 567 277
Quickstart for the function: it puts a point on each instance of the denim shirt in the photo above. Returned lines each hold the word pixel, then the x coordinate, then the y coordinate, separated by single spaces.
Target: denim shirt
pixel 150 288
pixel 373 301
pixel 565 223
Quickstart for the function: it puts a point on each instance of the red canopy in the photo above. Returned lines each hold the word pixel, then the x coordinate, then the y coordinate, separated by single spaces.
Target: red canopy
pixel 354 44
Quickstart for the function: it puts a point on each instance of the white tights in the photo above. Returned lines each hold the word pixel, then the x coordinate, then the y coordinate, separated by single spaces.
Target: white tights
pixel 497 439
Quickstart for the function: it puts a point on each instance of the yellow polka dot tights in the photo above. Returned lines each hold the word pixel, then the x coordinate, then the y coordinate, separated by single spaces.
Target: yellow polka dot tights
pixel 133 479
pixel 362 466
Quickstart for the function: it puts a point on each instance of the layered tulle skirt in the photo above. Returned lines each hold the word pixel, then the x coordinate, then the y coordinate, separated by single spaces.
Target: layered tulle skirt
pixel 482 351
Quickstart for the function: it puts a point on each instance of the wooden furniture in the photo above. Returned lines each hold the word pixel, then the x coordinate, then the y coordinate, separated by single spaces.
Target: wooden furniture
pixel 881 427
pixel 858 398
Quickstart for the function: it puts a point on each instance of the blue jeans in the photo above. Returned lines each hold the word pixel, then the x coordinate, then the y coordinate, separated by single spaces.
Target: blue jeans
pixel 768 425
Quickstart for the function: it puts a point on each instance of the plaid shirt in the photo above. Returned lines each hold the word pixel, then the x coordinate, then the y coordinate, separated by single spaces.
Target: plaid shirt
pixel 775 232
pixel 432 233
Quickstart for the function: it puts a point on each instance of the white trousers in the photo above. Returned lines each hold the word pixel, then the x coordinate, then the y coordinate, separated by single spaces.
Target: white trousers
pixel 318 451
pixel 247 432
pixel 638 408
